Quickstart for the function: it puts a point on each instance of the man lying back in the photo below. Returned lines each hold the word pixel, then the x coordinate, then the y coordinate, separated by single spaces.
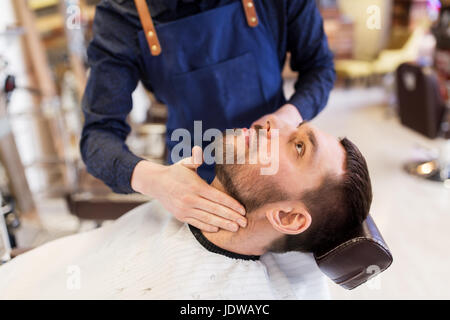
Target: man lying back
pixel 320 193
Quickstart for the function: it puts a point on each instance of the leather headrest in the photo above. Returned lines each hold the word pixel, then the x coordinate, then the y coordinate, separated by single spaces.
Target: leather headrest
pixel 358 259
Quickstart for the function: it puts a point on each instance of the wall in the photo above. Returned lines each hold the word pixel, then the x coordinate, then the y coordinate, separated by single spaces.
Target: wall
pixel 367 42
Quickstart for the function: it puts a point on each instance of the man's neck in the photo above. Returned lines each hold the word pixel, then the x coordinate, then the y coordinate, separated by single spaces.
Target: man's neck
pixel 251 240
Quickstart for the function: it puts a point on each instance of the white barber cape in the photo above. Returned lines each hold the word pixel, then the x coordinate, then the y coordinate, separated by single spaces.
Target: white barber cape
pixel 148 254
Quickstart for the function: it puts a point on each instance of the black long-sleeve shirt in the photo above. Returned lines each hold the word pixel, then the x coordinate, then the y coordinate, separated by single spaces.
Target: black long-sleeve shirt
pixel 116 66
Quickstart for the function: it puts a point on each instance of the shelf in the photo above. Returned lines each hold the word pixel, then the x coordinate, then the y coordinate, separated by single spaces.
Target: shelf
pixel 42 4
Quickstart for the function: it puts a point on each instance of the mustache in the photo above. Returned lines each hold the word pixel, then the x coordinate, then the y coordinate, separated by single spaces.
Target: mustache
pixel 256 128
pixel 256 133
pixel 259 132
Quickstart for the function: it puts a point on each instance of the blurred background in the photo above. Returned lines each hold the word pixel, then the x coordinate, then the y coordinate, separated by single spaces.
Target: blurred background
pixel 391 98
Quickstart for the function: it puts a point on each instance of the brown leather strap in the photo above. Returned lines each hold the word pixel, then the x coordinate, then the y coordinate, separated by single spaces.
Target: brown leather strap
pixel 149 28
pixel 250 12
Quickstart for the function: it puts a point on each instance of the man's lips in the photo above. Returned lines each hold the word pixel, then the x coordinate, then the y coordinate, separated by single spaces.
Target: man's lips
pixel 246 134
pixel 250 134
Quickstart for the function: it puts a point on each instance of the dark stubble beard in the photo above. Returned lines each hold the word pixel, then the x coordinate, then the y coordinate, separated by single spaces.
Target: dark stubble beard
pixel 224 175
pixel 244 182
pixel 248 187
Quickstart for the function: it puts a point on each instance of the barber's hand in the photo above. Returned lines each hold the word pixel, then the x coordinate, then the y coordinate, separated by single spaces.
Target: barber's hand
pixel 187 196
pixel 287 113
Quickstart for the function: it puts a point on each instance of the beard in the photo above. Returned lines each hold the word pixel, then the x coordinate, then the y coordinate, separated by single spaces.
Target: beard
pixel 237 186
pixel 246 184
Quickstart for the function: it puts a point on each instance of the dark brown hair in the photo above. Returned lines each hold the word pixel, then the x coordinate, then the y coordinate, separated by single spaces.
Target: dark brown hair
pixel 337 206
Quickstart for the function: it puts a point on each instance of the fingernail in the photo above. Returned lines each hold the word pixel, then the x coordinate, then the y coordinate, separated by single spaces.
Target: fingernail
pixel 242 222
pixel 233 227
pixel 242 211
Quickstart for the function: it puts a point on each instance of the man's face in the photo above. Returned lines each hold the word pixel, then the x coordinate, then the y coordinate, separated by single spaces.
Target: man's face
pixel 305 154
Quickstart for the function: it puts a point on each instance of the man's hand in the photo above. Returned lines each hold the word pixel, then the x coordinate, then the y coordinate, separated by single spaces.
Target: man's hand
pixel 287 113
pixel 188 197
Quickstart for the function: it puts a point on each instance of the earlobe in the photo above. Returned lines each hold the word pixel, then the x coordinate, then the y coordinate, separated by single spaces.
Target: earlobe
pixel 289 221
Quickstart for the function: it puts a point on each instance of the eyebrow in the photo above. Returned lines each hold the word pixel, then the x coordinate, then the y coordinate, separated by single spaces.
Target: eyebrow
pixel 302 123
pixel 311 136
pixel 312 139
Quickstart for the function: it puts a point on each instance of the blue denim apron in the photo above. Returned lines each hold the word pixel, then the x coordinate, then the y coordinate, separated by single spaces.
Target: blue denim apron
pixel 215 68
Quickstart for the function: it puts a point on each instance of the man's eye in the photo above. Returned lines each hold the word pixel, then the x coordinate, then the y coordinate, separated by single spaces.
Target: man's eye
pixel 299 147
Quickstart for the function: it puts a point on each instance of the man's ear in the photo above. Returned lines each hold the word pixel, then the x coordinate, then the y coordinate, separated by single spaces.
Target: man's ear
pixel 289 220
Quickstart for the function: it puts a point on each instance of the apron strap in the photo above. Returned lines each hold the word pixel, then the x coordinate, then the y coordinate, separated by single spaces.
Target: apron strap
pixel 149 28
pixel 250 12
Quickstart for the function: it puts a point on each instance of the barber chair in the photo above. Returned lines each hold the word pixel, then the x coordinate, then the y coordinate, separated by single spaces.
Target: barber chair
pixel 358 259
pixel 423 109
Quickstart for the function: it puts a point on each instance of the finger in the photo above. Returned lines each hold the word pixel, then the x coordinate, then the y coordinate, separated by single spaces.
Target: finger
pixel 222 198
pixel 268 121
pixel 212 219
pixel 194 161
pixel 197 155
pixel 257 122
pixel 201 225
pixel 261 121
pixel 228 214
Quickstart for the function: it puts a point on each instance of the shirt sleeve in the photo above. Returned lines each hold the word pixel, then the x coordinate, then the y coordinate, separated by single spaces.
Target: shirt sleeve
pixel 310 56
pixel 114 73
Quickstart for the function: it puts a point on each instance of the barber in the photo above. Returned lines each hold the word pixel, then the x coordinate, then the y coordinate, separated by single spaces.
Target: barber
pixel 218 61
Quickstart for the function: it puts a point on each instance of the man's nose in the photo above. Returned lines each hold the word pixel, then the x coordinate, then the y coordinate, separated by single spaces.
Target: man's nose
pixel 273 122
pixel 280 125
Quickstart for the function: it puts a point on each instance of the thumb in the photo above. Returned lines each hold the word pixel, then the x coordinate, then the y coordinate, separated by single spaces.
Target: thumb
pixel 194 161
